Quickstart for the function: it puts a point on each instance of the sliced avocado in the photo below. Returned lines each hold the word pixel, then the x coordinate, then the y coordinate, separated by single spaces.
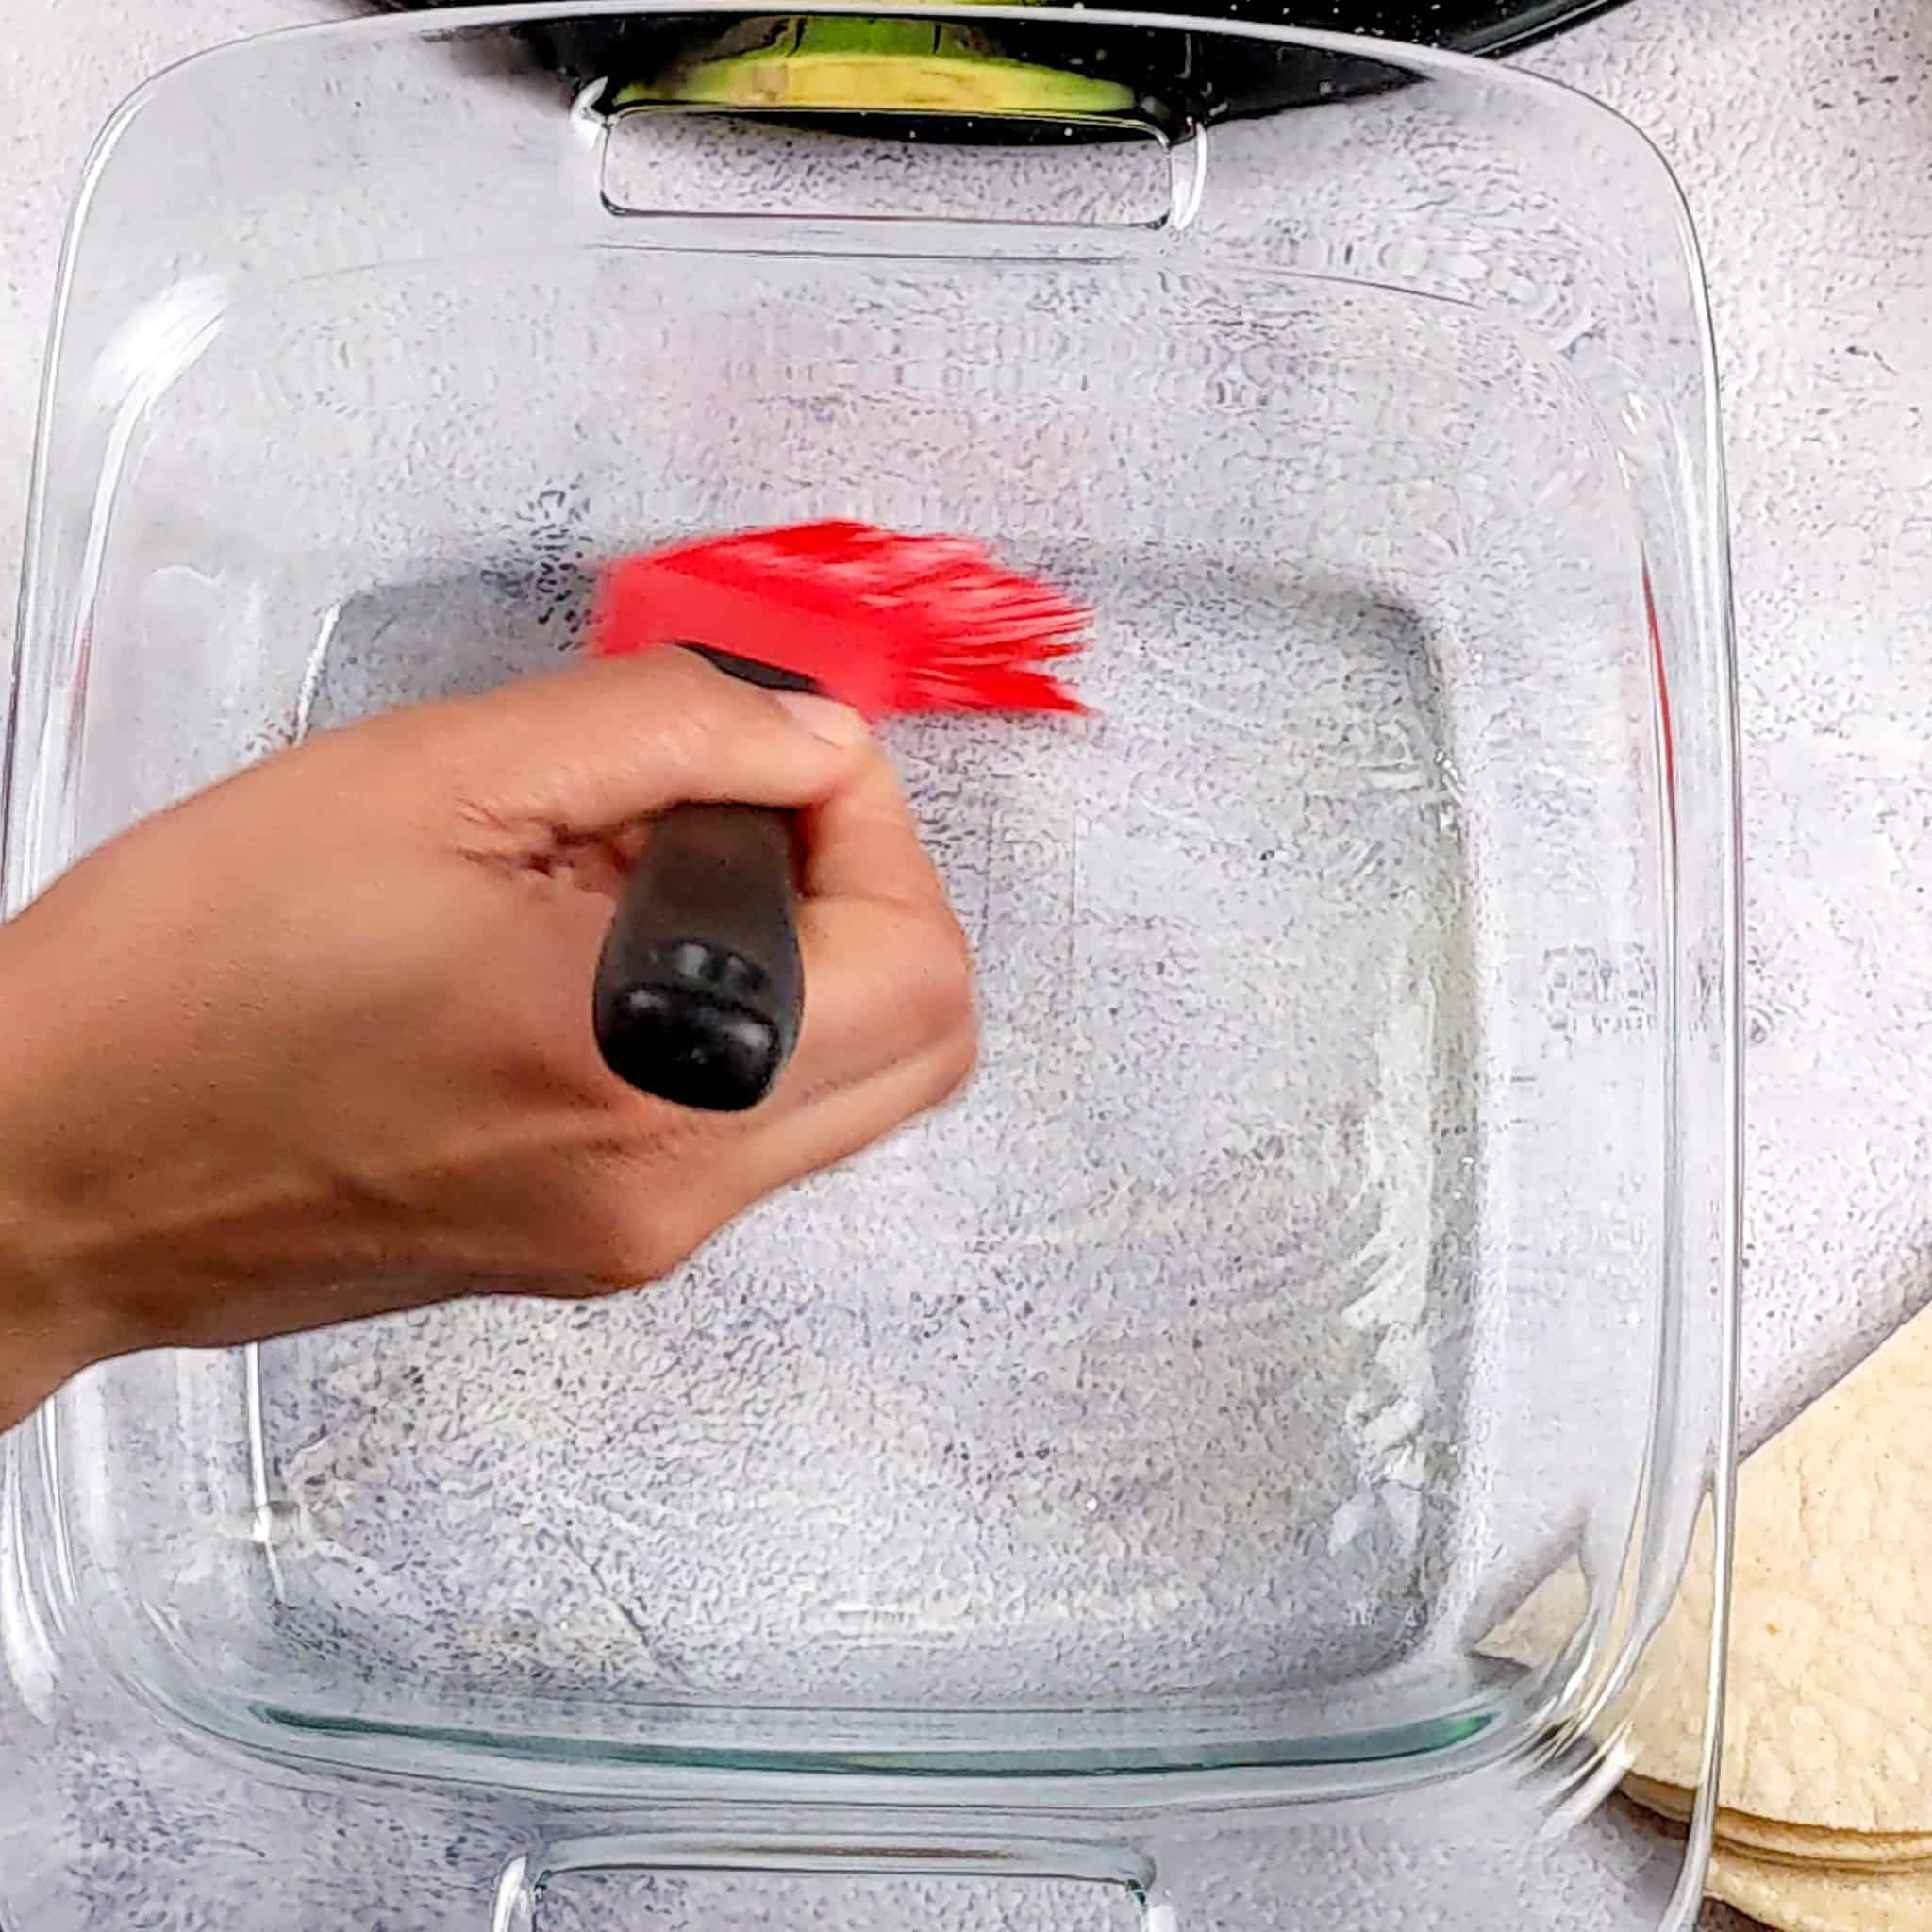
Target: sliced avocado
pixel 869 65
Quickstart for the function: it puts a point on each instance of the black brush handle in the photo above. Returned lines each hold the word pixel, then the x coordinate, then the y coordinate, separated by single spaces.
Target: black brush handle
pixel 700 988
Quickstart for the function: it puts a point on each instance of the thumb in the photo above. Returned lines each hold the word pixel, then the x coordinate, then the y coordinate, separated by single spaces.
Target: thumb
pixel 616 738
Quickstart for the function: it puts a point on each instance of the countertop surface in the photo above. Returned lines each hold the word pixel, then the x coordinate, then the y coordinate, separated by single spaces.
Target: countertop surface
pixel 1802 131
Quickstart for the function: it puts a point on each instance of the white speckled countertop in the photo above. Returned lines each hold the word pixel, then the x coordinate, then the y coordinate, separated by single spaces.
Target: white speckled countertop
pixel 1802 131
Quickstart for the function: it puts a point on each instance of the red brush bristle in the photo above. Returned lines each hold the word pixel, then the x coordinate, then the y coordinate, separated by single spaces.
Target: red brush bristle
pixel 884 621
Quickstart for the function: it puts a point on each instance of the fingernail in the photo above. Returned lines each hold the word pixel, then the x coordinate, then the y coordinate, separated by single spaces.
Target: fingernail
pixel 825 718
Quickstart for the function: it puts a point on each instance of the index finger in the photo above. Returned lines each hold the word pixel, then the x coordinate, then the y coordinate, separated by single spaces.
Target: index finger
pixel 614 740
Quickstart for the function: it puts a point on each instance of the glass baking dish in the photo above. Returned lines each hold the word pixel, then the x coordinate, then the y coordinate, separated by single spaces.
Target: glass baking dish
pixel 1338 1236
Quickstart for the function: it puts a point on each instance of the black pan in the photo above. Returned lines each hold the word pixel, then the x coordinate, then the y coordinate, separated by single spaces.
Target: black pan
pixel 1215 77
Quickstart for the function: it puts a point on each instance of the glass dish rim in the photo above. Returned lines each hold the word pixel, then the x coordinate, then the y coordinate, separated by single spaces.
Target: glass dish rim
pixel 1208 1785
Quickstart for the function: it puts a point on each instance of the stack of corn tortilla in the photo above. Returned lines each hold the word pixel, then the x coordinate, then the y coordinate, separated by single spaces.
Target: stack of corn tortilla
pixel 1826 1817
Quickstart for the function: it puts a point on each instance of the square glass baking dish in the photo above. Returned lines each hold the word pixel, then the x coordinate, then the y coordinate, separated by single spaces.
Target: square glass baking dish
pixel 1338 1234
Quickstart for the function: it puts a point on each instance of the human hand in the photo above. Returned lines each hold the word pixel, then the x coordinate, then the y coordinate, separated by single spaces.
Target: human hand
pixel 316 1044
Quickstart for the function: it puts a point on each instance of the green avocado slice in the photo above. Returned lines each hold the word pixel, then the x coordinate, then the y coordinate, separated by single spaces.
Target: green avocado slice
pixel 831 64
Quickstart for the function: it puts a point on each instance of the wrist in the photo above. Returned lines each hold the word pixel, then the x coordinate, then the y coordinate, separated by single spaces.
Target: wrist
pixel 46 1326
pixel 38 1351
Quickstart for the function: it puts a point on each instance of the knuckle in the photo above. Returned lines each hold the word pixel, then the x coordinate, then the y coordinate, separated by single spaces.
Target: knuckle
pixel 939 976
pixel 633 1242
pixel 689 714
pixel 665 1186
pixel 954 1061
pixel 673 668
pixel 682 687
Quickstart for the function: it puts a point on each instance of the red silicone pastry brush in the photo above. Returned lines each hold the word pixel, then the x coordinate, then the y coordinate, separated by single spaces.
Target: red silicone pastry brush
pixel 700 988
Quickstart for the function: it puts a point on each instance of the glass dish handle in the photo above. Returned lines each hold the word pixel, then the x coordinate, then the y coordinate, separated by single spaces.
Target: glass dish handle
pixel 1255 1871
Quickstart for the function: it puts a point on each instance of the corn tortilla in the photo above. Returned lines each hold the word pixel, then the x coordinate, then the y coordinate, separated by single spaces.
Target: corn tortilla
pixel 1828 1719
pixel 1775 1843
pixel 1790 1900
